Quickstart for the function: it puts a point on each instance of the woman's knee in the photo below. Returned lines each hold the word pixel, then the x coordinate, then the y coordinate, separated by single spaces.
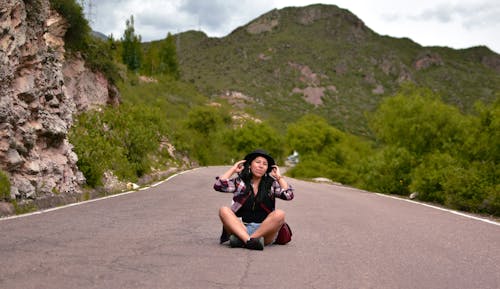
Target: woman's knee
pixel 279 215
pixel 224 211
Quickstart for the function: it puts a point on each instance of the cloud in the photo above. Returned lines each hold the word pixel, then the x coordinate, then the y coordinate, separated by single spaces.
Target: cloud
pixel 219 17
pixel 459 23
pixel 469 15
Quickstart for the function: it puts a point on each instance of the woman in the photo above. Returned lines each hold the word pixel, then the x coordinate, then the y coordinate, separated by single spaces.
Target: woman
pixel 252 220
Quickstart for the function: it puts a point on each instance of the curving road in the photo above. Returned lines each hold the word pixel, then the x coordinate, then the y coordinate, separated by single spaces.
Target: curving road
pixel 167 237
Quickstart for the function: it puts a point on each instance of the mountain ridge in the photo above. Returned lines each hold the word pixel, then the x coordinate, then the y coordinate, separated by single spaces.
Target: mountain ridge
pixel 272 58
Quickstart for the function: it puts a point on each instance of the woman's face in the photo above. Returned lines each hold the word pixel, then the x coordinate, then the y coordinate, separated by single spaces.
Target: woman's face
pixel 259 166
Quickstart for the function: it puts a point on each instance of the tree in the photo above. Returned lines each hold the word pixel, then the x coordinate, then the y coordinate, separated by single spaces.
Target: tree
pixel 419 121
pixel 168 57
pixel 311 134
pixel 132 51
pixel 253 135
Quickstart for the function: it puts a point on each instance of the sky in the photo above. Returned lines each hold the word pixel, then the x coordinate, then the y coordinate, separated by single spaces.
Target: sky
pixel 453 23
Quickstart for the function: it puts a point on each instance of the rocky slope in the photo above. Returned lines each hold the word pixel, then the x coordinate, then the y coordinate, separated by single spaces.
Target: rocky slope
pixel 40 92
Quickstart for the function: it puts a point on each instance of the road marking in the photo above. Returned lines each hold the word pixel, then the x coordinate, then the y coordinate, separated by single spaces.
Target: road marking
pixel 442 209
pixel 92 200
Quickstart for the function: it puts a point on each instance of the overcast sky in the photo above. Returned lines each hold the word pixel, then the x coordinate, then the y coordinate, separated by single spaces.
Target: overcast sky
pixel 452 23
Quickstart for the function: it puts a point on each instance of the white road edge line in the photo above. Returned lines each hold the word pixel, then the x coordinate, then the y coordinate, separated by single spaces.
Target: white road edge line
pixel 442 209
pixel 92 200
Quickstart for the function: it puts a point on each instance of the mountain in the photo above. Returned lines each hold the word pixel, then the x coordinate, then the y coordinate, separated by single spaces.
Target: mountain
pixel 324 60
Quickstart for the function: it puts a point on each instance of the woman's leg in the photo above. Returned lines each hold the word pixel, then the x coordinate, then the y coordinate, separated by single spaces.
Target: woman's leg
pixel 232 224
pixel 270 226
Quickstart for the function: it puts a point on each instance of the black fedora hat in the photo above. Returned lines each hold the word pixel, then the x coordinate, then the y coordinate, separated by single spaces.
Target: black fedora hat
pixel 260 153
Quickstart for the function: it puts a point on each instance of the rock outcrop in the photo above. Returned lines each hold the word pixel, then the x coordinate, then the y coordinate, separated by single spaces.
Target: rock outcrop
pixel 40 92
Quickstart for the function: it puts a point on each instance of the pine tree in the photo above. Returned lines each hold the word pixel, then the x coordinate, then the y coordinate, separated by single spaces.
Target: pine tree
pixel 132 52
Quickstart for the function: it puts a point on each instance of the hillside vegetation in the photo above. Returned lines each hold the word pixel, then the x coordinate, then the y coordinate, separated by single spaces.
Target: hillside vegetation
pixel 284 59
pixel 392 116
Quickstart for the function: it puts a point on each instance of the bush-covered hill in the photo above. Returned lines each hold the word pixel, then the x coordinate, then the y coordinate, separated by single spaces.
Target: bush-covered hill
pixel 322 59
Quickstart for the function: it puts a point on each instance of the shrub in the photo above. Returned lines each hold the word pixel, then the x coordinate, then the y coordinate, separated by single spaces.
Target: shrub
pixel 311 134
pixel 254 135
pixel 429 177
pixel 78 32
pixel 388 171
pixel 4 186
pixel 465 189
pixel 420 122
pixel 123 140
pixel 98 56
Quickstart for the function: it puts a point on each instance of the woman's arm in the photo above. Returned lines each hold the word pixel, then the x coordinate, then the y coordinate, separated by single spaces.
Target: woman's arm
pixel 236 168
pixel 223 183
pixel 281 188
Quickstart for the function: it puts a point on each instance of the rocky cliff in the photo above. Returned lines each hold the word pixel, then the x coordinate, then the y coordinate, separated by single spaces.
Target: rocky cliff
pixel 41 90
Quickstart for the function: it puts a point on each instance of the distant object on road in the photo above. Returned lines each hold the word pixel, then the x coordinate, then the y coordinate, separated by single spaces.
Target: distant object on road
pixel 292 159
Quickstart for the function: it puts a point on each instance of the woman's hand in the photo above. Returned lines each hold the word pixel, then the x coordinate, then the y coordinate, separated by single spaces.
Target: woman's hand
pixel 275 172
pixel 238 166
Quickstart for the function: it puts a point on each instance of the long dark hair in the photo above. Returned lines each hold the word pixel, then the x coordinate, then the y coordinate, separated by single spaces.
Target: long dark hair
pixel 264 186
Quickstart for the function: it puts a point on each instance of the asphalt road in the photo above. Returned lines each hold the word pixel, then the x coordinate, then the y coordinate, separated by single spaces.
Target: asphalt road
pixel 167 237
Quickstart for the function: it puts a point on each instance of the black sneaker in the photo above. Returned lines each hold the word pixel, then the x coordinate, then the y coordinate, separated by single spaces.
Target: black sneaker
pixel 224 236
pixel 255 244
pixel 235 242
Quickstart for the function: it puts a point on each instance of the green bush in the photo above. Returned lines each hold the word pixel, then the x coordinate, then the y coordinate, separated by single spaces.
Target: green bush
pixel 124 140
pixel 465 189
pixel 97 151
pixel 388 171
pixel 78 33
pixel 205 125
pixel 98 56
pixel 311 134
pixel 326 151
pixel 419 121
pixel 254 135
pixel 4 186
pixel 429 177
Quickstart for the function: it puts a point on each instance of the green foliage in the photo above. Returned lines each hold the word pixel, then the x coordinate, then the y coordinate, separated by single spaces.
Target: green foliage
pixel 459 168
pixel 4 186
pixel 464 188
pixel 203 134
pixel 160 58
pixel 388 171
pixel 260 65
pixel 168 57
pixel 429 176
pixel 98 56
pixel 254 135
pixel 484 143
pixel 326 151
pixel 312 135
pixel 121 139
pixel 24 207
pixel 206 120
pixel 131 45
pixel 446 156
pixel 77 35
pixel 97 152
pixel 418 121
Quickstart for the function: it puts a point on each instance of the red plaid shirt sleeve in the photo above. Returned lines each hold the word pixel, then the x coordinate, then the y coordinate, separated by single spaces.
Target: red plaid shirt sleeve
pixel 279 192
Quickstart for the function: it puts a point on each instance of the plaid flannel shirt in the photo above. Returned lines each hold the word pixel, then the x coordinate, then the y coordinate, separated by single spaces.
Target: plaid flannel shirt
pixel 237 187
